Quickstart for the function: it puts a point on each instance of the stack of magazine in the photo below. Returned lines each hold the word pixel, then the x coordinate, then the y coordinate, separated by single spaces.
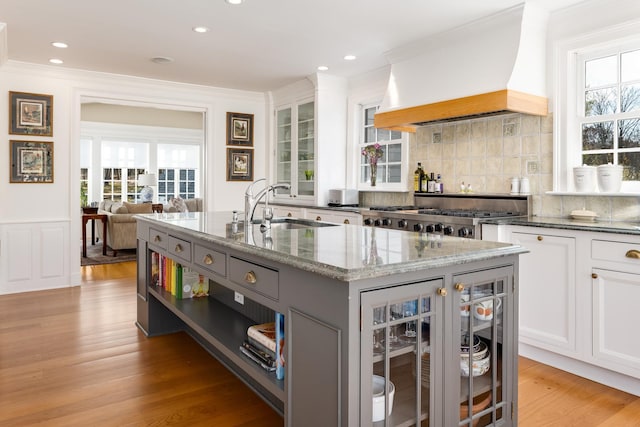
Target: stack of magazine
pixel 260 345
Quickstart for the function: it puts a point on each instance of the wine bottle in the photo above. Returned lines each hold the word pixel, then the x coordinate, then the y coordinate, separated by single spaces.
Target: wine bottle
pixel 417 178
pixel 431 187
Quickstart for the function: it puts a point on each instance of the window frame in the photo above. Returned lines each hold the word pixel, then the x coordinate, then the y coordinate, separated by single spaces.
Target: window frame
pixel 569 100
pixel 381 184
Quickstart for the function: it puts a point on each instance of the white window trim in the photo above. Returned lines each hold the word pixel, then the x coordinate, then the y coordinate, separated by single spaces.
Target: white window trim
pixel 567 153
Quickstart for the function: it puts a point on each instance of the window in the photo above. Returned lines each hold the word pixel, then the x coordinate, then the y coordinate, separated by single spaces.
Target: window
pixel 115 188
pixel 185 184
pixel 609 94
pixel 390 170
pixel 84 187
pixel 597 104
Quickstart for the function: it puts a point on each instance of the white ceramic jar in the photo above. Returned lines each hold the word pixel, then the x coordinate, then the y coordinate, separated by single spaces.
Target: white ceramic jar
pixel 609 178
pixel 584 179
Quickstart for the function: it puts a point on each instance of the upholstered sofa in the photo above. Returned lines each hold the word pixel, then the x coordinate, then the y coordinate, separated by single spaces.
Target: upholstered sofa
pixel 121 224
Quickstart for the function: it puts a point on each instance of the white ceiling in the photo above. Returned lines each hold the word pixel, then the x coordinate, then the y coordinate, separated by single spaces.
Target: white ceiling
pixel 260 45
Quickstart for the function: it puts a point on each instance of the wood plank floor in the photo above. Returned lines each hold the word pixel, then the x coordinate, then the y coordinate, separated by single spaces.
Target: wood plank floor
pixel 73 357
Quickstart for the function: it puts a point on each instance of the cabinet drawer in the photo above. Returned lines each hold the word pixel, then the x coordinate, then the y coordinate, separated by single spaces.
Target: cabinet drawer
pixel 210 260
pixel 179 249
pixel 252 276
pixel 158 238
pixel 625 253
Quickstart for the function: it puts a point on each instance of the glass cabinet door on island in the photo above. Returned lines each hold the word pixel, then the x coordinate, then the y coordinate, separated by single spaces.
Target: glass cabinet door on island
pixel 484 350
pixel 400 326
pixel 439 355
pixel 295 149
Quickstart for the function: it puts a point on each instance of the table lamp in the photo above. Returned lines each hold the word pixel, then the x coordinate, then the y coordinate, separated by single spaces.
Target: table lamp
pixel 147 180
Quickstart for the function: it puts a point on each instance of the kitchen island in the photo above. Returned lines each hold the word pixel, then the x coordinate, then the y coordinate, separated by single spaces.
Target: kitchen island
pixel 358 302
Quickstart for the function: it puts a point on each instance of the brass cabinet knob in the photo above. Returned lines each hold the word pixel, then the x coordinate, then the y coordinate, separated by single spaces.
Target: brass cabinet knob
pixel 208 259
pixel 459 287
pixel 250 277
pixel 594 276
pixel 540 238
pixel 318 218
pixel 442 292
pixel 157 239
pixel 632 253
pixel 289 215
pixel 346 221
pixel 178 248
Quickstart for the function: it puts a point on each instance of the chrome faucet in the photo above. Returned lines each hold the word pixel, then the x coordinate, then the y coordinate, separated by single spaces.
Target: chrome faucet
pixel 251 201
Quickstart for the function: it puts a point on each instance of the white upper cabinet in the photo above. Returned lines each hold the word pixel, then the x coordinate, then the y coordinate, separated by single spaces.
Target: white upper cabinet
pixel 309 139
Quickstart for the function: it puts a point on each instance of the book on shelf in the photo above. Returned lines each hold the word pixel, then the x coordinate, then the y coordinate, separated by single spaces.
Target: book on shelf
pixel 257 360
pixel 264 334
pixel 190 280
pixel 155 268
pixel 264 357
pixel 178 281
pixel 261 347
pixel 280 343
pixel 202 287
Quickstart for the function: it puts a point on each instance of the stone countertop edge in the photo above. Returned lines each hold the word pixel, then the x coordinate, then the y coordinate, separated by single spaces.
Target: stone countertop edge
pixel 489 250
pixel 616 227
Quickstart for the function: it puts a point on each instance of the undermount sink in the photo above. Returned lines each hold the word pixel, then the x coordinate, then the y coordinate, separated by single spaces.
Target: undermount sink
pixel 288 223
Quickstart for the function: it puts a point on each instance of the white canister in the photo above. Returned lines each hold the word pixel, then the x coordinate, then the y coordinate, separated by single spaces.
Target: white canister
pixel 515 185
pixel 584 179
pixel 609 178
pixel 525 186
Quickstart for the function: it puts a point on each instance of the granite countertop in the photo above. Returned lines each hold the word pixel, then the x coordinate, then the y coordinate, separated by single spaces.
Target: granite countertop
pixel 617 227
pixel 343 252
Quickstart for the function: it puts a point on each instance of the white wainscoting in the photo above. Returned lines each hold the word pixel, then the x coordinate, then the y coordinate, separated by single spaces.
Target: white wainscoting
pixel 34 255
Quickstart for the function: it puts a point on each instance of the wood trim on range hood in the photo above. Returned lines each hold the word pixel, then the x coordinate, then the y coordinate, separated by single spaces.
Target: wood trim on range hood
pixel 498 102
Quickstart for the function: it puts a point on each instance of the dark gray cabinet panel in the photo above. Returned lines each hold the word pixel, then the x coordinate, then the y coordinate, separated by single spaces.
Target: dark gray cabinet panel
pixel 314 375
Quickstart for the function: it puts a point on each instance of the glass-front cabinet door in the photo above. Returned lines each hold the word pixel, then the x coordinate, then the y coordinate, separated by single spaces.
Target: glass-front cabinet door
pixel 400 328
pixel 485 353
pixel 295 149
pixel 283 147
pixel 306 149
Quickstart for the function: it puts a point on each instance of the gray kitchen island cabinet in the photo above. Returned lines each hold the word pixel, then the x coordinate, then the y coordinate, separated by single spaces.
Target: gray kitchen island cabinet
pixel 431 318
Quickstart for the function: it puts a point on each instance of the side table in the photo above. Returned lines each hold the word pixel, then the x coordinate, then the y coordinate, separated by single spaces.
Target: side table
pixel 93 217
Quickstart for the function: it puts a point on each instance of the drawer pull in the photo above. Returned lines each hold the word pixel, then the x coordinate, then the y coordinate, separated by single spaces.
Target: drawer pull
pixel 178 248
pixel 346 221
pixel 318 218
pixel 459 287
pixel 539 238
pixel 157 238
pixel 250 277
pixel 208 259
pixel 442 292
pixel 632 253
pixel 289 215
pixel 594 276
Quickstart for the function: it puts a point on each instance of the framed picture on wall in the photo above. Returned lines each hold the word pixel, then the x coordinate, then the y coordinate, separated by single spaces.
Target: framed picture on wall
pixel 31 162
pixel 239 164
pixel 240 129
pixel 30 114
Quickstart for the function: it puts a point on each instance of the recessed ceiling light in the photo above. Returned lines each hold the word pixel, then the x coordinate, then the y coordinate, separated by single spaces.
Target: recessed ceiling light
pixel 162 60
pixel 323 68
pixel 61 45
pixel 56 61
pixel 349 57
pixel 234 1
pixel 201 29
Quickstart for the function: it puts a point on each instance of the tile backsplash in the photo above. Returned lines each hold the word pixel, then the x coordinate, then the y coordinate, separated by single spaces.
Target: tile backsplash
pixel 487 152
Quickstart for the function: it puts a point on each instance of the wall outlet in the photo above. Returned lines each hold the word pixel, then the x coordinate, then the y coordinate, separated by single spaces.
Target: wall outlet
pixel 238 297
pixel 532 167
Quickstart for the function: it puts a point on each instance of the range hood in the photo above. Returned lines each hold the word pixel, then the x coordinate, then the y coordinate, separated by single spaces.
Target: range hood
pixel 491 66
